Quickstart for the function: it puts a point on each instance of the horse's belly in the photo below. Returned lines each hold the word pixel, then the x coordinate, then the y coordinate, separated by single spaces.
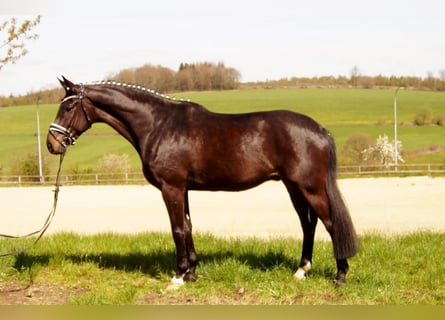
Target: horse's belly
pixel 232 180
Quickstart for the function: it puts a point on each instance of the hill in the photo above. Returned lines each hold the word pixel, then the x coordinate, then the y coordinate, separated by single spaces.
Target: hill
pixel 345 112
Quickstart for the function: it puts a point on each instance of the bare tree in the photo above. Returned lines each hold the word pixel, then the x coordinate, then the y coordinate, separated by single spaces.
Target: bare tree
pixel 13 35
pixel 355 74
pixel 442 74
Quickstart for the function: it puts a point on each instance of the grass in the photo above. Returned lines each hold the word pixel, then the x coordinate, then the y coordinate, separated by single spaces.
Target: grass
pixel 343 111
pixel 135 269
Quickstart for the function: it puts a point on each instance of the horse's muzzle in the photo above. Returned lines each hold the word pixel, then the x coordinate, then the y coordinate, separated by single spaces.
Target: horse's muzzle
pixel 59 138
pixel 54 144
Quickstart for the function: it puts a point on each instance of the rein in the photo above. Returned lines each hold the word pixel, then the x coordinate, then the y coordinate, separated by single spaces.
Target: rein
pixel 47 223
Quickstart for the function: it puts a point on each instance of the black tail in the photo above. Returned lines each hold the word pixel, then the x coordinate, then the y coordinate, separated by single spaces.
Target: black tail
pixel 343 234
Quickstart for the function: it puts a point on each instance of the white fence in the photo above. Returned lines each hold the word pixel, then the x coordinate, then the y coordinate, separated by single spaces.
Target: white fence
pixel 400 170
pixel 138 178
pixel 76 179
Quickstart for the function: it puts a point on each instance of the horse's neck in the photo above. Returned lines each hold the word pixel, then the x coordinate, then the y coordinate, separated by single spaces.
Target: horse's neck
pixel 121 127
pixel 134 123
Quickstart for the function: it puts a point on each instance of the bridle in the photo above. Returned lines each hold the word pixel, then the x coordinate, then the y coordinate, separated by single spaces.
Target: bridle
pixel 68 137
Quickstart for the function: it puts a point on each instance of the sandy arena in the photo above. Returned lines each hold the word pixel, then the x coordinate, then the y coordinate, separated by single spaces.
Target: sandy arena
pixel 384 205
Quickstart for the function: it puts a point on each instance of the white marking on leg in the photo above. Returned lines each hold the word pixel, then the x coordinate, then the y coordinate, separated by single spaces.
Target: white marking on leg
pixel 176 283
pixel 301 272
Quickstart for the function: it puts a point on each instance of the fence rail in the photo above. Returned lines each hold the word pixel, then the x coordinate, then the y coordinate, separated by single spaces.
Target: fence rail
pixel 400 170
pixel 138 178
pixel 77 179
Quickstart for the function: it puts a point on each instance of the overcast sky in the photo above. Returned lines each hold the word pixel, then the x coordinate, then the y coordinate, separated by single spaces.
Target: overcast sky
pixel 263 40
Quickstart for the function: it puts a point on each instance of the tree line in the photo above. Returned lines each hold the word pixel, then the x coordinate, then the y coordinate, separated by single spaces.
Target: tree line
pixel 199 76
pixel 189 77
pixel 216 76
pixel 429 83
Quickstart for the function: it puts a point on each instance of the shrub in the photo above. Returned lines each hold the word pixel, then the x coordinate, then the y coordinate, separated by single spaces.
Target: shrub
pixel 439 120
pixel 113 165
pixel 28 165
pixel 352 151
pixel 423 117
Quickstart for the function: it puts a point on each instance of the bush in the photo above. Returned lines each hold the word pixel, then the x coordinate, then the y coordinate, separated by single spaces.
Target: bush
pixel 423 117
pixel 352 151
pixel 113 166
pixel 439 120
pixel 28 165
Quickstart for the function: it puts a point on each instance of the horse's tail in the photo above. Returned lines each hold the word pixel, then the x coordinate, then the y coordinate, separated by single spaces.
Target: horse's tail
pixel 344 237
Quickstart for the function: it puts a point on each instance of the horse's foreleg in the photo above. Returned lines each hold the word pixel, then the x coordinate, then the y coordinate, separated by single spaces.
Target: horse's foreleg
pixel 174 200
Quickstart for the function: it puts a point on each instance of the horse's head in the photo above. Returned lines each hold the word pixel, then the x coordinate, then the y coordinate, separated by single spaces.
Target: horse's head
pixel 72 119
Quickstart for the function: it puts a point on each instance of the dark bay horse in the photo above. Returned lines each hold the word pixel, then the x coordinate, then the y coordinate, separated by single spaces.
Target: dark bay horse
pixel 184 146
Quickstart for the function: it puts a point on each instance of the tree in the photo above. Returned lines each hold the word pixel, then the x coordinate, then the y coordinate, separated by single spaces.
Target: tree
pixel 13 35
pixel 355 74
pixel 442 74
pixel 383 152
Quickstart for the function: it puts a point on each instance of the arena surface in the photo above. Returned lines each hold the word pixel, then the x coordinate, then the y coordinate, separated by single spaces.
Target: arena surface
pixel 378 205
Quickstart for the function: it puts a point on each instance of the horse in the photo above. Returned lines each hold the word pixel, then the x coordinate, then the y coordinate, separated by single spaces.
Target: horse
pixel 184 146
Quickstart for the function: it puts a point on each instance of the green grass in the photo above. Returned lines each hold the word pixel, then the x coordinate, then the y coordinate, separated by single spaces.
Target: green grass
pixel 343 111
pixel 135 269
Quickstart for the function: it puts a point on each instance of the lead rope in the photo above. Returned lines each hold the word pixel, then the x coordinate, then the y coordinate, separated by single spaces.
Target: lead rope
pixel 47 223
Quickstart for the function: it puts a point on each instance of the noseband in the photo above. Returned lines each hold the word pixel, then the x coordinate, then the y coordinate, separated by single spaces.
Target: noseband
pixel 68 137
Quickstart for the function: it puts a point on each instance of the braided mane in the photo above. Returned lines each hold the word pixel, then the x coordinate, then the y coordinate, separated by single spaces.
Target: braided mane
pixel 136 87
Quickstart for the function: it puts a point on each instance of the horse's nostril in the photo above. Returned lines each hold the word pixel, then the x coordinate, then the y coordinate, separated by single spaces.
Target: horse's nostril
pixel 50 147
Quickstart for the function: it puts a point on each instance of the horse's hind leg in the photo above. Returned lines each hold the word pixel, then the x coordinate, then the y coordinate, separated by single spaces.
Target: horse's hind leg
pixel 312 203
pixel 319 202
pixel 308 221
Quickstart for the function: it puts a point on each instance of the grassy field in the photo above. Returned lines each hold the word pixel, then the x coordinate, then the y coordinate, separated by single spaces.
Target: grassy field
pixel 122 269
pixel 343 111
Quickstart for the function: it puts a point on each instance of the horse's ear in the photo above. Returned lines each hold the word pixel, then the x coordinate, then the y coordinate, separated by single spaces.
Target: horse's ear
pixel 66 84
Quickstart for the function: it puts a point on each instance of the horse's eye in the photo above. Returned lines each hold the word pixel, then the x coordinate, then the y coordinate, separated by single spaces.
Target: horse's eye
pixel 68 106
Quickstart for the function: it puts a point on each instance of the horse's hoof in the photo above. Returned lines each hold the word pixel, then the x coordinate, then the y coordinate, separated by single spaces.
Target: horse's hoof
pixel 340 280
pixel 300 275
pixel 339 283
pixel 190 277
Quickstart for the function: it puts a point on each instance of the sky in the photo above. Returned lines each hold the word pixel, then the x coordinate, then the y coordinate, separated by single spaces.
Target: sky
pixel 87 40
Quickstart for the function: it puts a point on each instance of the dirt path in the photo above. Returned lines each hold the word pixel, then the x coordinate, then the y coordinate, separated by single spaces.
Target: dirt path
pixel 384 205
